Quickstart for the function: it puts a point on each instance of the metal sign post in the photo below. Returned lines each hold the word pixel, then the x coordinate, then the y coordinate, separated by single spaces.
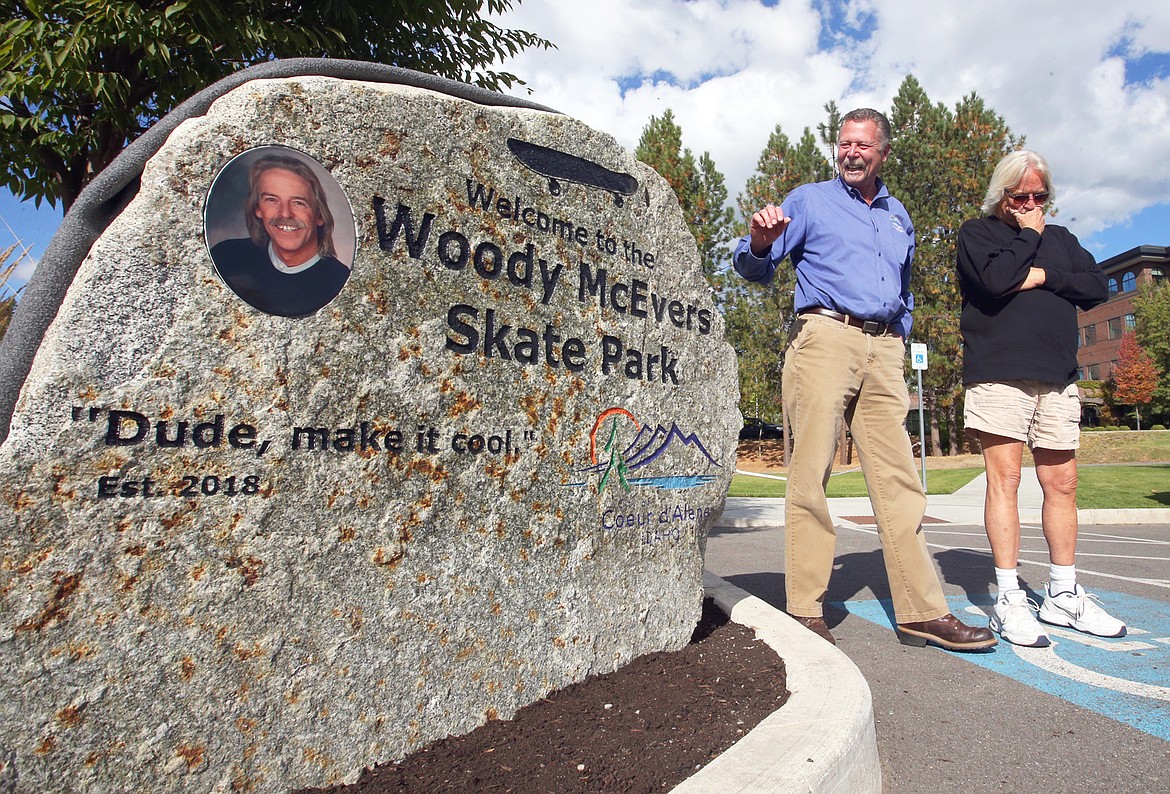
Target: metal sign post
pixel 918 362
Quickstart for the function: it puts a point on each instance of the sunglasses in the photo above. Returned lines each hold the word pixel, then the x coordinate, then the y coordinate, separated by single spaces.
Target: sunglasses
pixel 1022 198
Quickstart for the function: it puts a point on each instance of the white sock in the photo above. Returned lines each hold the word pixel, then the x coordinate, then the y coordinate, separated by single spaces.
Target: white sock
pixel 1062 579
pixel 1006 579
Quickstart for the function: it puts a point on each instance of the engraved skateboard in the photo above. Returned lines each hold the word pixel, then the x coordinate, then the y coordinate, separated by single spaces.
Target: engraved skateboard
pixel 559 167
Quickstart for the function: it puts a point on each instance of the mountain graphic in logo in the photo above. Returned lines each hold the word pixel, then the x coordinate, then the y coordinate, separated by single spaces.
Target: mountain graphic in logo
pixel 614 460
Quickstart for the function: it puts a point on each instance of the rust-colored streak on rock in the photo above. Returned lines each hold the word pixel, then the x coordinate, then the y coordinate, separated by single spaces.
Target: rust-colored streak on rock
pixel 496 472
pixel 424 466
pixel 69 716
pixel 316 757
pixel 377 299
pixel 79 650
pixel 248 567
pixel 558 410
pixel 19 501
pixel 32 561
pixel 191 753
pixel 391 143
pixel 66 585
pixel 386 558
pixel 246 652
pixel 463 403
pixel 187 668
pixel 531 405
pixel 173 520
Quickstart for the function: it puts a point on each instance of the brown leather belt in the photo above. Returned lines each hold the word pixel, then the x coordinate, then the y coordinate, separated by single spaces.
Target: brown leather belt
pixel 871 327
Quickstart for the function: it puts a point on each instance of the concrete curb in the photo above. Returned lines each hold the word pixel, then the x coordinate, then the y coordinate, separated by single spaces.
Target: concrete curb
pixel 823 739
pixel 1085 518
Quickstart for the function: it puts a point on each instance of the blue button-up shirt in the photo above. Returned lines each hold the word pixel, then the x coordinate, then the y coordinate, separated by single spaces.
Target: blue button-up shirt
pixel 850 256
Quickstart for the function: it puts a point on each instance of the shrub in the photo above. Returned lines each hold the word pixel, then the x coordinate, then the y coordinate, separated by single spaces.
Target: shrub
pixel 1158 427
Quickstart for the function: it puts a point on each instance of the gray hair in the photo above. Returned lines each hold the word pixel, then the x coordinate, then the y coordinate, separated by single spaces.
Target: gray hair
pixel 862 115
pixel 1009 172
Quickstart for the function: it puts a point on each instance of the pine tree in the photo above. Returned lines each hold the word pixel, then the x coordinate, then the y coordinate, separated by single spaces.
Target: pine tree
pixel 711 221
pixel 939 167
pixel 660 147
pixel 700 188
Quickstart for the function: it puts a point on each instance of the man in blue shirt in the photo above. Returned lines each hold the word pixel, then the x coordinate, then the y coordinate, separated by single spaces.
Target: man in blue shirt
pixel 852 244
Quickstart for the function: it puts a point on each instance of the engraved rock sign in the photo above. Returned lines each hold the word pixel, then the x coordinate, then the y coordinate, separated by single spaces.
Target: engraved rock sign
pixel 348 434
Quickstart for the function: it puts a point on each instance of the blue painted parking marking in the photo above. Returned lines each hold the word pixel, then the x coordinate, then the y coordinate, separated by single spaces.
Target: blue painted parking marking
pixel 1126 679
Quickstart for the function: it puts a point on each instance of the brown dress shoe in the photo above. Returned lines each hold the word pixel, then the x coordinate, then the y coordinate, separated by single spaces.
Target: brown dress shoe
pixel 816 626
pixel 947 632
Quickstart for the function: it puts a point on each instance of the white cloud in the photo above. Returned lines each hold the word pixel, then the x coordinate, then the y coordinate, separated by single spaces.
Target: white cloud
pixel 736 68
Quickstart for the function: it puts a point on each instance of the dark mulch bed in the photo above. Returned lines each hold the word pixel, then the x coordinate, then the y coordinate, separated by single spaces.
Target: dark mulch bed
pixel 646 727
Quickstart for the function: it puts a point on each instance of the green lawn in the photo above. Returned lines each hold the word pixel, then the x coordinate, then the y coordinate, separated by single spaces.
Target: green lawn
pixel 1137 485
pixel 1100 487
pixel 852 483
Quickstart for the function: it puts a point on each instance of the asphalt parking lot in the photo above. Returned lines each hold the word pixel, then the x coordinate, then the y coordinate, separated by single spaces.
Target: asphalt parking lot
pixel 1085 714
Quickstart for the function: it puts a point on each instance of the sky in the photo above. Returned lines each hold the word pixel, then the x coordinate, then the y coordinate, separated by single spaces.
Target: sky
pixel 1088 84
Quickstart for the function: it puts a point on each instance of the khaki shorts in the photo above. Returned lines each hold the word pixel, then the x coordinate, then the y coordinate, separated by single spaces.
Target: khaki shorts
pixel 1044 415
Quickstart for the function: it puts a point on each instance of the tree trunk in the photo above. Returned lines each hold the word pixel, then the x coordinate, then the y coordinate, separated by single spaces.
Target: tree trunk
pixel 935 443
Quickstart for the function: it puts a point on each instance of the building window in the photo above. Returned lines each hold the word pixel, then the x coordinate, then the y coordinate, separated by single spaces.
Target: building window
pixel 1112 286
pixel 1090 334
pixel 1115 328
pixel 1094 372
pixel 1156 273
pixel 1128 282
pixel 1130 322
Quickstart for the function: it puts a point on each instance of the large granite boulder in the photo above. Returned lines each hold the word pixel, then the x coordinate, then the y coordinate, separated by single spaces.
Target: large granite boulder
pixel 257 538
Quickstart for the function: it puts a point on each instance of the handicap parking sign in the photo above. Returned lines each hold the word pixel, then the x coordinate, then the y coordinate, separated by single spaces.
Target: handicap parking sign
pixel 917 355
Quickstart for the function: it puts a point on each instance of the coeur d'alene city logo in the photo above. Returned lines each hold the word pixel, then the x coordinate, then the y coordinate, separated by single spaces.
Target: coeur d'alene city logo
pixel 628 454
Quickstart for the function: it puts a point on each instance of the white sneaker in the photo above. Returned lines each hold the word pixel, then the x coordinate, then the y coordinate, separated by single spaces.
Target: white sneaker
pixel 1012 619
pixel 1078 611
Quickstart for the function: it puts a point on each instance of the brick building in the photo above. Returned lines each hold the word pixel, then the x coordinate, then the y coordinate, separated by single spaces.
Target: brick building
pixel 1100 329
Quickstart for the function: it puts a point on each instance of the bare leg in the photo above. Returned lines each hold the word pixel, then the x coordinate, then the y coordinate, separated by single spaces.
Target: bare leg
pixel 1001 514
pixel 1057 471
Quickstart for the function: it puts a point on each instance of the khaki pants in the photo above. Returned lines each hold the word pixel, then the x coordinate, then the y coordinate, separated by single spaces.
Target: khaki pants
pixel 834 373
